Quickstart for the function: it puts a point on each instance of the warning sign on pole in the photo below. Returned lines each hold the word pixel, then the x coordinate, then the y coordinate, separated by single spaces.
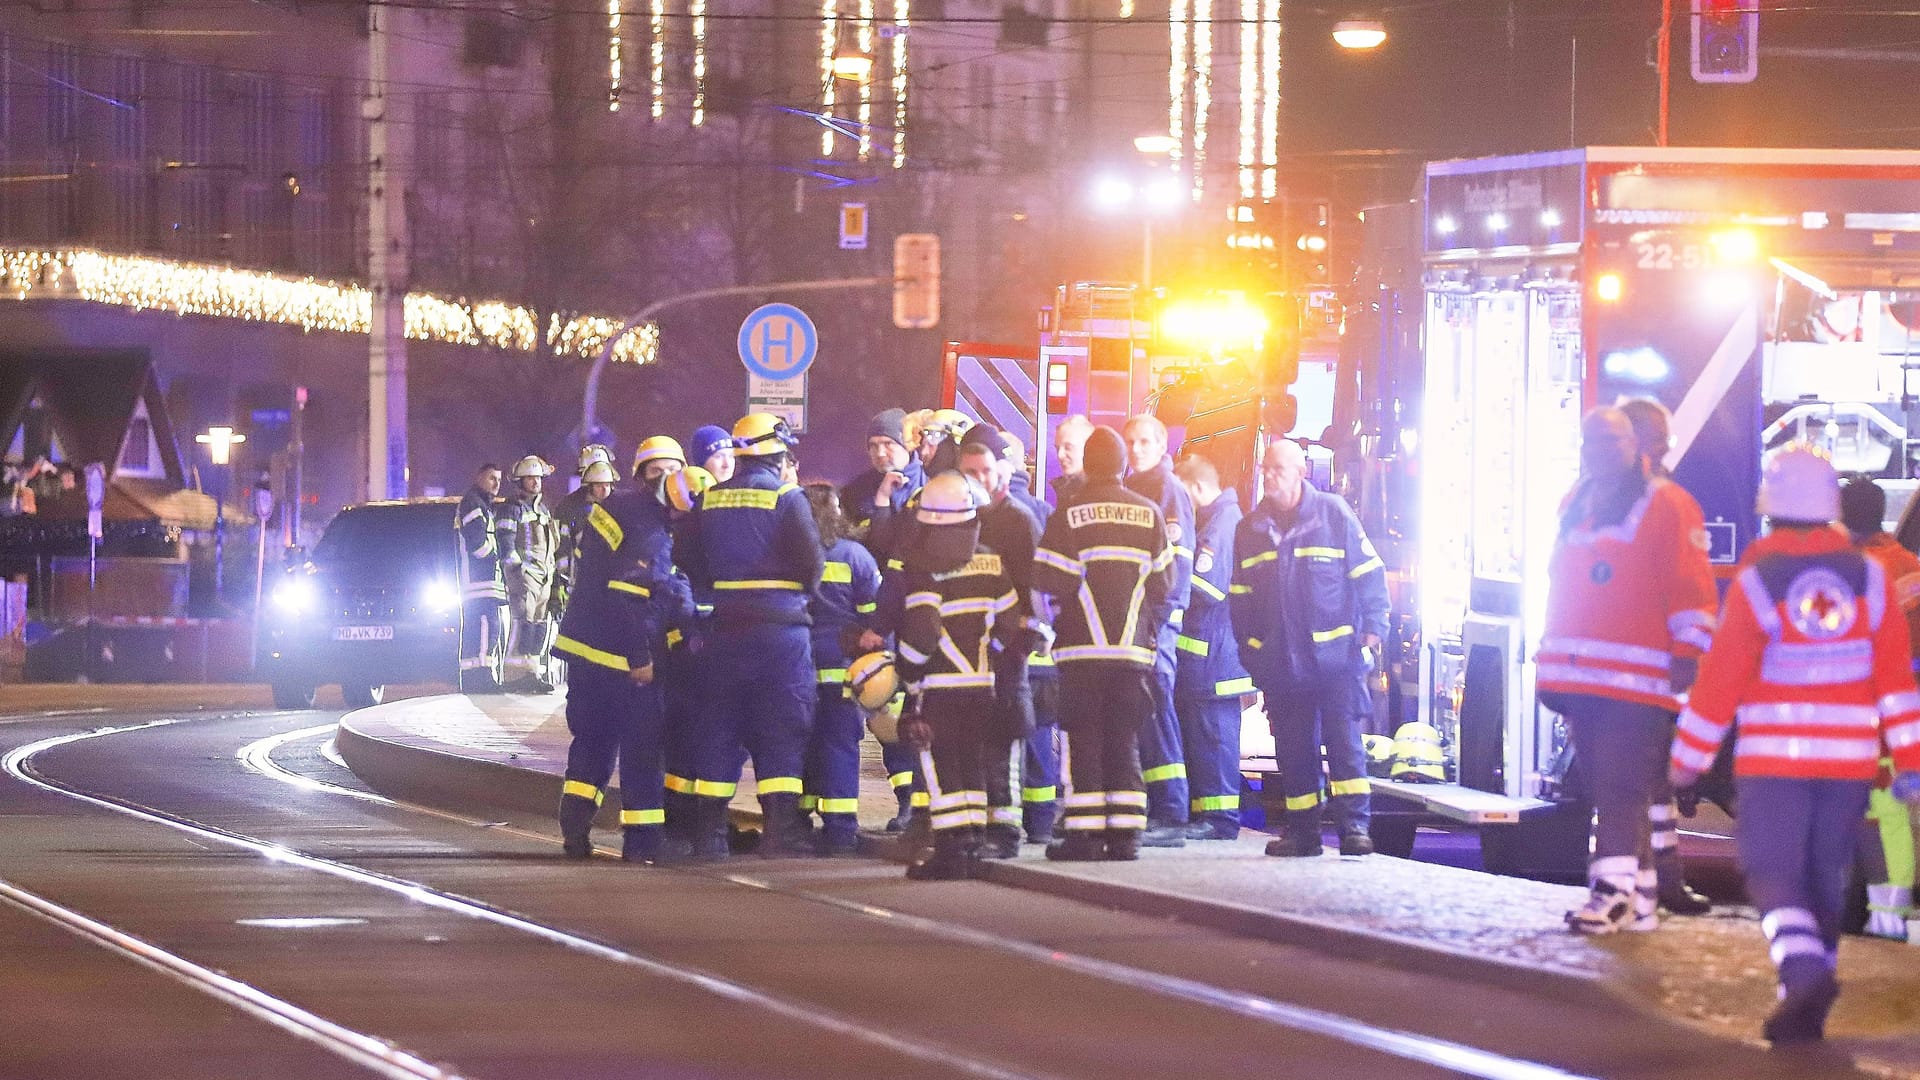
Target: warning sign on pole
pixel 853 226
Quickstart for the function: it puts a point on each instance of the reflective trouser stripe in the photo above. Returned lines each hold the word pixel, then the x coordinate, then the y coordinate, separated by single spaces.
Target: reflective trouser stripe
pixel 1161 773
pixel 779 785
pixel 901 779
pixel 582 790
pixel 586 652
pixel 680 784
pixel 1039 794
pixel 643 817
pixel 1233 687
pixel 918 800
pixel 1003 815
pixel 1359 785
pixel 1216 802
pixel 1303 802
pixel 808 802
pixel 1321 637
pixel 714 788
pixel 1126 821
pixel 1196 646
pixel 839 806
pixel 830 676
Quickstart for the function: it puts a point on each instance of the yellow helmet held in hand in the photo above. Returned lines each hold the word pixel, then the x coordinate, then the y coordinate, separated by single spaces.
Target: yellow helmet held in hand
pixel 685 486
pixel 1417 755
pixel 531 465
pixel 763 435
pixel 657 448
pixel 872 681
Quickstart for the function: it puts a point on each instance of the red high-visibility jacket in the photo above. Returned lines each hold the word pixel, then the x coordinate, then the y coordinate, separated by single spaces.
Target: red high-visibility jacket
pixel 1624 600
pixel 1813 658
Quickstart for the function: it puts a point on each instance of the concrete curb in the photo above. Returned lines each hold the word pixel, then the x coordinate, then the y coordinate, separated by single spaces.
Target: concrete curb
pixel 455 782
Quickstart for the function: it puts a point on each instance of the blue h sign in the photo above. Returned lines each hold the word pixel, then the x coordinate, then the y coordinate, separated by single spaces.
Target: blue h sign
pixel 778 341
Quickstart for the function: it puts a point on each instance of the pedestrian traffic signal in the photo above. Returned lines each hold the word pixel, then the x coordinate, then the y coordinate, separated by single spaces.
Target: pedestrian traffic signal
pixel 916 281
pixel 1726 41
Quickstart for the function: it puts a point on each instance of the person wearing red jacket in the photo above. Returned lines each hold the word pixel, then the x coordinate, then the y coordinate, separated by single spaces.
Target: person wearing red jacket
pixel 1812 658
pixel 1629 610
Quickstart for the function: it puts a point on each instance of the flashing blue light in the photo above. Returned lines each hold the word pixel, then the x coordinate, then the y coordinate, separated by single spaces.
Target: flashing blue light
pixel 1642 365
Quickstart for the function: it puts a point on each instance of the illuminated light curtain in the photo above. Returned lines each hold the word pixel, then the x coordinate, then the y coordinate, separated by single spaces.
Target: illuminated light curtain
pixel 1202 90
pixel 1270 98
pixel 698 10
pixel 613 55
pixel 866 84
pixel 1179 22
pixel 657 56
pixel 1249 96
pixel 829 39
pixel 1126 9
pixel 902 12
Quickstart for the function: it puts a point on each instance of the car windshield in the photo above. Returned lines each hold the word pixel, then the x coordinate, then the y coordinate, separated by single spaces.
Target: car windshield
pixel 378 540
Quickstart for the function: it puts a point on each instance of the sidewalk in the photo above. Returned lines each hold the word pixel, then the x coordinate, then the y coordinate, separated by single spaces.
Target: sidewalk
pixel 509 752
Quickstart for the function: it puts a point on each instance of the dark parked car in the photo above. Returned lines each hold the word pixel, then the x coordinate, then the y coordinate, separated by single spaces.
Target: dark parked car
pixel 379 602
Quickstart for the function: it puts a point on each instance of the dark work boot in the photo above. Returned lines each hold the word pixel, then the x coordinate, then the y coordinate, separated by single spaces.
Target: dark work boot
pixel 1807 993
pixel 999 841
pixel 1676 895
pixel 640 843
pixel 1356 842
pixel 1123 845
pixel 1213 826
pixel 1295 844
pixel 576 825
pixel 900 821
pixel 949 860
pixel 780 829
pixel 1079 846
pixel 1039 820
pixel 705 836
pixel 1158 834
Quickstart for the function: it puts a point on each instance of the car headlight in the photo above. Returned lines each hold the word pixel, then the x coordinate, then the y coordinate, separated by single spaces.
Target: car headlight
pixel 295 595
pixel 440 596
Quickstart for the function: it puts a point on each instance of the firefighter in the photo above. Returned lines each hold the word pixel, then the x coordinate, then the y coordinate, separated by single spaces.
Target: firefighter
pixel 1163 758
pixel 1630 602
pixel 1069 443
pixel 894 472
pixel 1309 608
pixel 529 550
pixel 1210 680
pixel 959 601
pixel 1011 532
pixel 1652 432
pixel 570 514
pixel 713 451
pixel 484 614
pixel 752 545
pixel 1884 851
pixel 842 610
pixel 654 458
pixel 1812 658
pixel 1104 562
pixel 614 630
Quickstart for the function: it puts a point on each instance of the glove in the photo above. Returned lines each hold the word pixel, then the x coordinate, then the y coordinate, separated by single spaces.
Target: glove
pixel 1906 787
pixel 915 732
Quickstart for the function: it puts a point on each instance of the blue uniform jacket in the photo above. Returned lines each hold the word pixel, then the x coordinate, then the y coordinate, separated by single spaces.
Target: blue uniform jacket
pixel 1166 492
pixel 1209 657
pixel 1304 592
pixel 848 595
pixel 626 593
pixel 751 543
pixel 856 500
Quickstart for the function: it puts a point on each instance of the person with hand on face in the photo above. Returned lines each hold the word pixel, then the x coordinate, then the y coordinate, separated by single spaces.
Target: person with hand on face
pixel 1630 608
pixel 1309 610
pixel 893 472
pixel 1163 758
pixel 713 450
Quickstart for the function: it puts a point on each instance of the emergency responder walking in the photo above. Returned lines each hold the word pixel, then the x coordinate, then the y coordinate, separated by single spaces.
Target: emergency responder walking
pixel 842 610
pixel 751 543
pixel 1069 444
pixel 713 451
pixel 1163 758
pixel 959 601
pixel 483 623
pixel 614 629
pixel 1884 851
pixel 1104 562
pixel 529 549
pixel 1653 434
pixel 1812 658
pixel 1210 680
pixel 1309 607
pixel 1010 532
pixel 1630 601
pixel 570 516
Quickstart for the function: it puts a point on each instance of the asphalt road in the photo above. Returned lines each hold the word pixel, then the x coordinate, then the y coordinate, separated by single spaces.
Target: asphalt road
pixel 205 897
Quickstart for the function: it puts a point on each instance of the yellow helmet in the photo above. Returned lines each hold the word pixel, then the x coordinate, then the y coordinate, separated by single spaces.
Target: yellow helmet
pixel 1417 755
pixel 763 435
pixel 590 454
pixel 947 424
pixel 658 448
pixel 531 465
pixel 872 681
pixel 600 472
pixel 684 487
pixel 1379 750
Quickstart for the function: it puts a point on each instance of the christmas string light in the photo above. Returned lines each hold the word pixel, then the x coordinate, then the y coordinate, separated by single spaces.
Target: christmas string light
pixel 1249 94
pixel 657 71
pixel 613 55
pixel 144 283
pixel 829 40
pixel 866 84
pixel 902 13
pixel 698 10
pixel 1178 25
pixel 1202 90
pixel 1270 99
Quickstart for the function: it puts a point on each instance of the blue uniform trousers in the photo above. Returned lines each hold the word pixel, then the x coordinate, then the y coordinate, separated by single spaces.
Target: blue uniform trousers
pixel 1305 717
pixel 903 772
pixel 614 721
pixel 1040 775
pixel 1796 845
pixel 1210 733
pixel 833 762
pixel 758 686
pixel 1163 763
pixel 680 698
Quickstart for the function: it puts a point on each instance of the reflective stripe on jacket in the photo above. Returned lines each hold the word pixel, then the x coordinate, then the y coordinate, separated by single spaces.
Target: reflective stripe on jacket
pixel 1104 558
pixel 752 543
pixel 1305 591
pixel 1207 654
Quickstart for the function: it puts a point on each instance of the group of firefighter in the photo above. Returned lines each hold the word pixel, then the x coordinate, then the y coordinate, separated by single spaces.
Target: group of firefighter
pixel 1800 683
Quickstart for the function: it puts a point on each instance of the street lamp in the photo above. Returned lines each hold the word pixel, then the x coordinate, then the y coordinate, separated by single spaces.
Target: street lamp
pixel 219 441
pixel 1359 35
pixel 1154 195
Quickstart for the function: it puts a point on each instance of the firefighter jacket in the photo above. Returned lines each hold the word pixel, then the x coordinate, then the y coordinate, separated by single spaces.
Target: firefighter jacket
pixel 473 518
pixel 570 517
pixel 951 621
pixel 529 548
pixel 1165 491
pixel 752 545
pixel 848 595
pixel 1307 587
pixel 856 498
pixel 626 594
pixel 1903 569
pixel 1812 658
pixel 1208 655
pixel 1105 560
pixel 1623 600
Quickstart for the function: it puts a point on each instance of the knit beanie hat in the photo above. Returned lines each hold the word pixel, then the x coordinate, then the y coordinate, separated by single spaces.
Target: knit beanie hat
pixel 710 440
pixel 985 435
pixel 892 424
pixel 1105 455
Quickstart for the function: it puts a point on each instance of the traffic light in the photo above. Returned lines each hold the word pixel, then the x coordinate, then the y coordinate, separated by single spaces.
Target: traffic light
pixel 1312 239
pixel 916 281
pixel 1726 41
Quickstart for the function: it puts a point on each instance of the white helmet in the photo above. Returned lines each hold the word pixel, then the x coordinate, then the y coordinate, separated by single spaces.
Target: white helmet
pixel 531 465
pixel 1798 483
pixel 599 472
pixel 949 499
pixel 591 453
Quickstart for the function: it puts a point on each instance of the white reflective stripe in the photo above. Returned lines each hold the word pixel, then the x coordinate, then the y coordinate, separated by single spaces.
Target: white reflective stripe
pixel 1116 551
pixel 1764 612
pixel 1665 840
pixel 1794 748
pixel 1901 736
pixel 912 655
pixel 1605 678
pixel 1697 760
pixel 1905 701
pixel 473 513
pixel 1700 727
pixel 1086 824
pixel 1058 561
pixel 1085 799
pixel 1808 714
pixel 1795 944
pixel 1788 919
pixel 1126 798
pixel 1126 821
pixel 1692 617
pixel 1788 663
pixel 950 681
pixel 1876 593
pixel 948 801
pixel 1699 639
pixel 1596 649
pixel 972 605
pixel 1907 590
pixel 1660 812
pixel 923 599
pixel 1004 815
pixel 1105 652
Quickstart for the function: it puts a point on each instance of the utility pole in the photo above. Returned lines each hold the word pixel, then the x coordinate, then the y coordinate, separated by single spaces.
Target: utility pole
pixel 386 274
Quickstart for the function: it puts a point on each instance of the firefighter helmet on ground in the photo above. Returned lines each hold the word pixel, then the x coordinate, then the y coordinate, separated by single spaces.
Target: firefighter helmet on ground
pixel 591 453
pixel 531 465
pixel 685 486
pixel 600 472
pixel 949 499
pixel 1379 750
pixel 763 435
pixel 657 448
pixel 872 681
pixel 1799 483
pixel 1416 754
